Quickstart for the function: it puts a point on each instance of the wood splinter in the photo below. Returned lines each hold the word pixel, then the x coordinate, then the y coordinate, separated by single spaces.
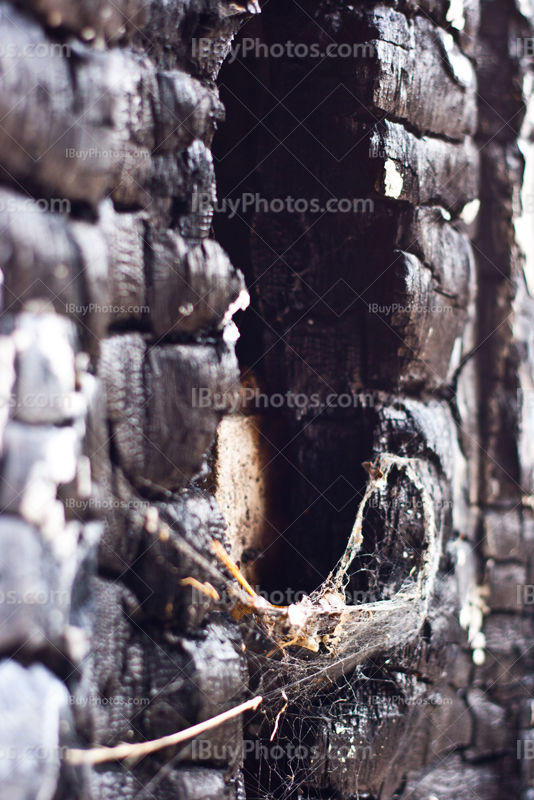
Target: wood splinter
pixel 282 710
pixel 206 588
pixel 223 556
pixel 99 755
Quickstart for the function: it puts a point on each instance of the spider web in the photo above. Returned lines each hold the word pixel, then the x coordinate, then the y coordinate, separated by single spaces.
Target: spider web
pixel 324 701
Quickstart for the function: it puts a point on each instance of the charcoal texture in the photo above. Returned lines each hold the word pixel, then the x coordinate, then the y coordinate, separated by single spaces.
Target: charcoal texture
pixel 116 308
pixel 377 231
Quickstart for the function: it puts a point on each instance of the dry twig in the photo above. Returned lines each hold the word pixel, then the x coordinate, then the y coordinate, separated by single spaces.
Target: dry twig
pixel 99 755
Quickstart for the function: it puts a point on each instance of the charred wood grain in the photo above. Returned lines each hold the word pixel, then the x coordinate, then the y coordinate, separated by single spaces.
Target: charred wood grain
pixel 395 129
pixel 163 282
pixel 183 190
pixel 175 677
pixel 133 125
pixel 124 237
pixel 157 441
pixel 320 336
pixel 463 23
pixel 173 31
pixel 37 133
pixel 405 69
pixel 419 162
pixel 439 724
pixel 142 544
pixel 104 118
pixel 400 333
pixel 161 563
pixel 188 109
pixel 190 288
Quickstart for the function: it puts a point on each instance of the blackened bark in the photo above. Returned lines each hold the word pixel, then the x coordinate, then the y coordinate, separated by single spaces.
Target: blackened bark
pixel 117 308
pixel 109 137
pixel 408 308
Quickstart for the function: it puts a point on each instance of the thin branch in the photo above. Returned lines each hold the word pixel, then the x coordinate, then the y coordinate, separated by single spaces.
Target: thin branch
pixel 99 755
pixel 277 721
pixel 223 556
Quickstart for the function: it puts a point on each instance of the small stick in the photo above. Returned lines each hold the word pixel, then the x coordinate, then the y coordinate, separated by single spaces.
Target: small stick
pixel 99 755
pixel 223 556
pixel 205 588
pixel 281 646
pixel 277 721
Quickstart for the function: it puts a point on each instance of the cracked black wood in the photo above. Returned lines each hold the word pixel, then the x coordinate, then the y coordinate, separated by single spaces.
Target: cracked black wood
pixel 396 141
pixel 116 308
